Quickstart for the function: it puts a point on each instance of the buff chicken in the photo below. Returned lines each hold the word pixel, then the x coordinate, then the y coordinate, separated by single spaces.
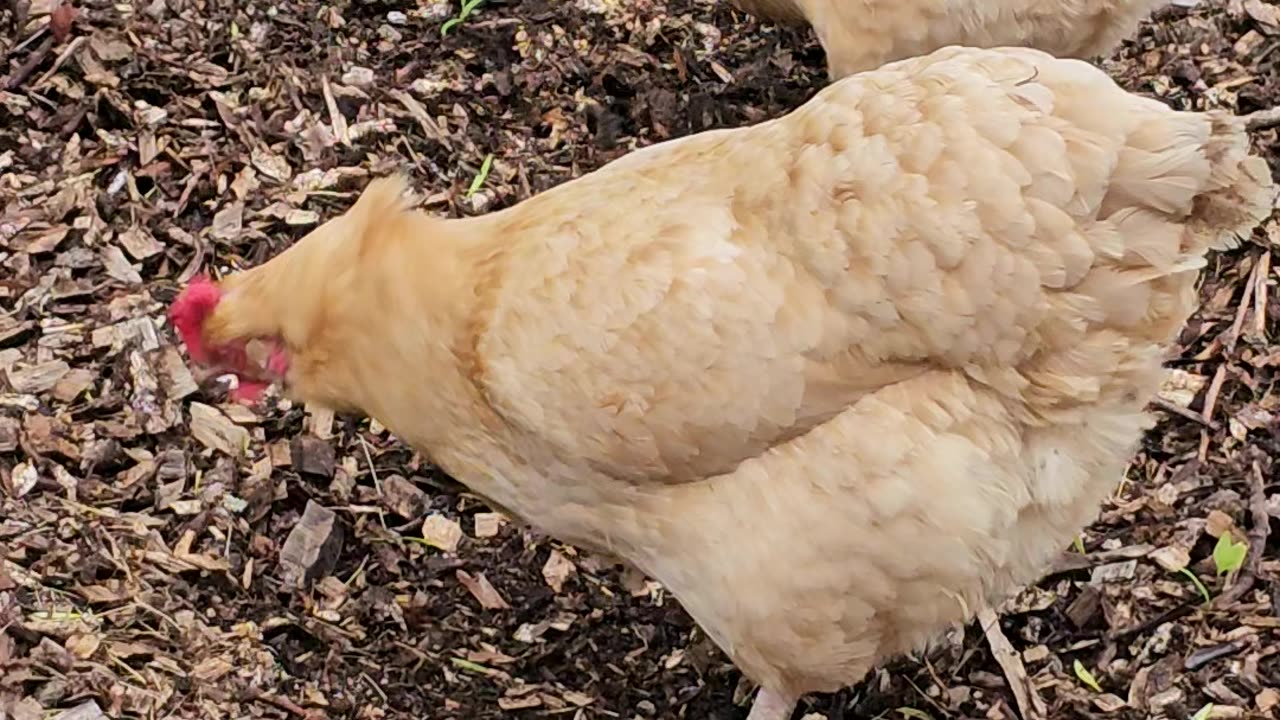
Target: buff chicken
pixel 860 35
pixel 837 380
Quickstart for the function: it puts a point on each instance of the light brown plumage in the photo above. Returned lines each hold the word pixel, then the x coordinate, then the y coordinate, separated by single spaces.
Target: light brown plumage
pixel 864 34
pixel 837 380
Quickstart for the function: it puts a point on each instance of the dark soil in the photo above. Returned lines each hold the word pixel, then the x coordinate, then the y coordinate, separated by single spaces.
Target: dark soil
pixel 140 144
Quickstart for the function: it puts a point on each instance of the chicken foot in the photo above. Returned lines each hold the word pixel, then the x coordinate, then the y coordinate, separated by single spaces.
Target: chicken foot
pixel 770 705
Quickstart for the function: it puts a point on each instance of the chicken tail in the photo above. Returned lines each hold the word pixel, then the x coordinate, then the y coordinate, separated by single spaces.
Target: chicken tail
pixel 1182 184
pixel 1189 171
pixel 1156 189
pixel 1240 193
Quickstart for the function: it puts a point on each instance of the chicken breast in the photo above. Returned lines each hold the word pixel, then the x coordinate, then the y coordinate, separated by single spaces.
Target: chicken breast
pixel 837 380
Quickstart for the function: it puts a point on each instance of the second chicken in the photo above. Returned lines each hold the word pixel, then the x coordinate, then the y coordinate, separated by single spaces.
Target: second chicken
pixel 864 34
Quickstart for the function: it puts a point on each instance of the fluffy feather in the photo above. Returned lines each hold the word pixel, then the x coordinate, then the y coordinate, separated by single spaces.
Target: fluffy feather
pixel 836 380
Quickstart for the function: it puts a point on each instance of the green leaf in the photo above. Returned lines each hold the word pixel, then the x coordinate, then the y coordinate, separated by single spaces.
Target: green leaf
pixel 1079 545
pixel 1204 591
pixel 468 665
pixel 481 176
pixel 1203 713
pixel 1086 677
pixel 468 6
pixel 1228 555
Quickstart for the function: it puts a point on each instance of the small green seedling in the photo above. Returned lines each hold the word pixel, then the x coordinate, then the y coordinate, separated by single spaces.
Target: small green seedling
pixel 1204 591
pixel 1228 555
pixel 1203 713
pixel 481 176
pixel 470 666
pixel 468 7
pixel 913 714
pixel 1085 676
pixel 1079 545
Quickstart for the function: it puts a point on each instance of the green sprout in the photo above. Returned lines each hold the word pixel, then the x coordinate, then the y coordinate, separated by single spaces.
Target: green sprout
pixel 1228 555
pixel 481 176
pixel 1203 713
pixel 1204 591
pixel 470 666
pixel 468 7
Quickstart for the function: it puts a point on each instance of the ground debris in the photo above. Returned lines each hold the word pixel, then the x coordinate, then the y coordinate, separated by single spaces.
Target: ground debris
pixel 313 456
pixel 311 550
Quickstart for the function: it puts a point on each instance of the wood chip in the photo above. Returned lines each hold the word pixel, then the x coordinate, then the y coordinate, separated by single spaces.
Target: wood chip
pixel 74 384
pixel 320 422
pixel 37 378
pixel 1218 523
pixel 1171 558
pixel 484 593
pixel 272 165
pixel 1086 606
pixel 442 532
pixel 139 243
pixel 402 497
pixel 9 428
pixel 87 710
pixel 313 456
pixel 311 550
pixel 118 266
pixel 488 524
pixel 557 570
pixel 228 221
pixel 1180 387
pixel 1113 572
pixel 1030 704
pixel 215 431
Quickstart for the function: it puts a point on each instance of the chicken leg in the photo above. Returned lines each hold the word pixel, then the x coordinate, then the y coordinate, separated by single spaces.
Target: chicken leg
pixel 770 705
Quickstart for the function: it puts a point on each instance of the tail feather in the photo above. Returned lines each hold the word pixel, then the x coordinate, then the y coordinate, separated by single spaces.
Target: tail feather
pixel 1183 184
pixel 1157 189
pixel 1240 192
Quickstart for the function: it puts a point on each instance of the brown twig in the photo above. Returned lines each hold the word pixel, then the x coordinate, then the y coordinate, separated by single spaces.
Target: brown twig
pixel 1030 705
pixel 1170 615
pixel 1260 295
pixel 26 69
pixel 62 58
pixel 1211 397
pixel 1246 301
pixel 1258 534
pixel 1180 411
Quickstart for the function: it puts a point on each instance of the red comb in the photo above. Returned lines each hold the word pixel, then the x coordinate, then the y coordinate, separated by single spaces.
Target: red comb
pixel 189 313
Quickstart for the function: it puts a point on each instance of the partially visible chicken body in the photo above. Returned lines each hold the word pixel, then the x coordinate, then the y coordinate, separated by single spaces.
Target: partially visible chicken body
pixel 864 34
pixel 837 380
